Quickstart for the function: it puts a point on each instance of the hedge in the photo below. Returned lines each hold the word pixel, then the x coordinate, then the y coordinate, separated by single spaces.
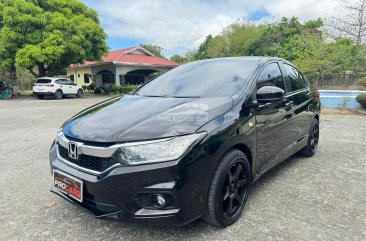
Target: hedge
pixel 121 89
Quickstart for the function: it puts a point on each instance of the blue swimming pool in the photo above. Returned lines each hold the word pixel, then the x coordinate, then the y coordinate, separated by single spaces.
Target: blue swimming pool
pixel 340 98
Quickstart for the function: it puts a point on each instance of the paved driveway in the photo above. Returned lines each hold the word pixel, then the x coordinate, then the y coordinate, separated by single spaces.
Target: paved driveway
pixel 319 198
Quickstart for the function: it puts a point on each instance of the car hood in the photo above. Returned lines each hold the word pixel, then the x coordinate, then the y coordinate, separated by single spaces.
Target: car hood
pixel 134 118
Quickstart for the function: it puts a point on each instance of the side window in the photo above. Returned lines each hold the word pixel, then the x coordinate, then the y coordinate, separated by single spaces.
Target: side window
pixel 271 76
pixel 60 82
pixel 69 82
pixel 296 79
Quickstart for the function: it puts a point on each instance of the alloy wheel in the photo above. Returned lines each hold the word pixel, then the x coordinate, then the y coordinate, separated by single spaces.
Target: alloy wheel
pixel 314 137
pixel 234 190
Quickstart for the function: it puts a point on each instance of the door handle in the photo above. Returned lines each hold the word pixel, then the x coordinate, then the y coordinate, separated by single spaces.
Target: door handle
pixel 289 105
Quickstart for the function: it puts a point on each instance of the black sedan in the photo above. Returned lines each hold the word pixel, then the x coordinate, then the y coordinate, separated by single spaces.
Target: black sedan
pixel 188 144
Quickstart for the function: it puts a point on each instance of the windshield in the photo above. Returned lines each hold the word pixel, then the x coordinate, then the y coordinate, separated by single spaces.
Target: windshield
pixel 218 78
pixel 43 81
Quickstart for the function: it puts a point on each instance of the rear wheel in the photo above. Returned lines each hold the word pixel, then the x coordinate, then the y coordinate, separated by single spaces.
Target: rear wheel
pixel 229 189
pixel 313 140
pixel 80 94
pixel 58 94
pixel 41 96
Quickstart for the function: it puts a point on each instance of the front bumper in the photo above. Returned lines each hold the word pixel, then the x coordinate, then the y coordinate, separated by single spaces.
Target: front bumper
pixel 116 193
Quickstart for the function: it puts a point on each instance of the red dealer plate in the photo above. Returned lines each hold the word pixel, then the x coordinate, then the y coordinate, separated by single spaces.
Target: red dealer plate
pixel 68 184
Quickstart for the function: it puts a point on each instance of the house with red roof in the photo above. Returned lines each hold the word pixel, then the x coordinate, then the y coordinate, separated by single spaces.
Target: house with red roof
pixel 131 66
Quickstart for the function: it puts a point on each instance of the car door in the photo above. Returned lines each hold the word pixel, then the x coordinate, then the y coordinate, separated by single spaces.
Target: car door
pixel 62 85
pixel 301 96
pixel 70 87
pixel 74 86
pixel 274 121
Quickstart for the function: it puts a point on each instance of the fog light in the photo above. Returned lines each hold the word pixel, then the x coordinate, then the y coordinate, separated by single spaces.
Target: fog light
pixel 159 201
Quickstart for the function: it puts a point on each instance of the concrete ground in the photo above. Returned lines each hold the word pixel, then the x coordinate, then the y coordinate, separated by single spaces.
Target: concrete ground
pixel 318 198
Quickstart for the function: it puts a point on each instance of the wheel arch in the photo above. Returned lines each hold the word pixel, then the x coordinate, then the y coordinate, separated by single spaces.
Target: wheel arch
pixel 59 90
pixel 246 150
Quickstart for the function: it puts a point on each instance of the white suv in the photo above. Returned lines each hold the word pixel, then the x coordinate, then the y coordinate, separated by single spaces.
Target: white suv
pixel 58 87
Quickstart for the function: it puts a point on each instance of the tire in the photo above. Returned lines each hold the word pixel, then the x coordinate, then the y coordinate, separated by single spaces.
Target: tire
pixel 230 185
pixel 312 145
pixel 80 94
pixel 58 94
pixel 41 97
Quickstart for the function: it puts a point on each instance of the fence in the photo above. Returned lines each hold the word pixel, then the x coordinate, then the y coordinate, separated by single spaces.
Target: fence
pixel 347 81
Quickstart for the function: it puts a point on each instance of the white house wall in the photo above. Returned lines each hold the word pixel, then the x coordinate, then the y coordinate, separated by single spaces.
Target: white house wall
pixel 117 70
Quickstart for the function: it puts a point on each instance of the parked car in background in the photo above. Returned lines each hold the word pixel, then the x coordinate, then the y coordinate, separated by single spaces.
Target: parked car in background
pixel 188 144
pixel 58 87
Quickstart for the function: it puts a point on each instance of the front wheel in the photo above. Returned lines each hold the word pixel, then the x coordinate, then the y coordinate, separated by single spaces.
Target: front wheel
pixel 313 140
pixel 229 189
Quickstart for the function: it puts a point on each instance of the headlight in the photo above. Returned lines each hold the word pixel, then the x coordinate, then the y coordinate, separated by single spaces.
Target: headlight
pixel 156 151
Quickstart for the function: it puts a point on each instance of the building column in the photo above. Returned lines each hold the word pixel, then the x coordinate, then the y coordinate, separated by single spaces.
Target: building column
pixel 119 72
pixel 122 79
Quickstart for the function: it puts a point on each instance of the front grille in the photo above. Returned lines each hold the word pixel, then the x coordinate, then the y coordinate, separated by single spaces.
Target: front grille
pixel 93 163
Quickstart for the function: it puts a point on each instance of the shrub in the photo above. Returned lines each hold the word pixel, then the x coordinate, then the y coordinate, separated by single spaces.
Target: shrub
pixel 102 90
pixel 84 87
pixel 124 89
pixel 107 89
pixel 361 98
pixel 362 81
pixel 114 88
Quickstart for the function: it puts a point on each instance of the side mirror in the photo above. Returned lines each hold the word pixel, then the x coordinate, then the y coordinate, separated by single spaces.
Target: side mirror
pixel 270 94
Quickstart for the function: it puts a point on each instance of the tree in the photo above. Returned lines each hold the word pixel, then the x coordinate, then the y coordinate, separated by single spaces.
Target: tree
pixel 49 35
pixel 282 38
pixel 202 49
pixel 233 41
pixel 154 49
pixel 178 59
pixel 25 79
pixel 350 23
pixel 240 36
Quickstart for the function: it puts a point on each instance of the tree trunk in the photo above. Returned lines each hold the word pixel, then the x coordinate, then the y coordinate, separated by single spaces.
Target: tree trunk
pixel 13 74
pixel 42 72
pixel 32 72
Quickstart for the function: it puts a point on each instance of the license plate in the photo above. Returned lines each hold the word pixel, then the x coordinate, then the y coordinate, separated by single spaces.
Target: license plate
pixel 69 185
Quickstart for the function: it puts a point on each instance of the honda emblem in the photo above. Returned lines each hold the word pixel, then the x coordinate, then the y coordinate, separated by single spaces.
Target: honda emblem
pixel 73 150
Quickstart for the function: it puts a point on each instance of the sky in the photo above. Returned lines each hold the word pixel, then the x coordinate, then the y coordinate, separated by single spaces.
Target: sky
pixel 181 25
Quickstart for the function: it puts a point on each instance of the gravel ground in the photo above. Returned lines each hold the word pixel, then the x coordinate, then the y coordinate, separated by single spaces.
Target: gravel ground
pixel 319 198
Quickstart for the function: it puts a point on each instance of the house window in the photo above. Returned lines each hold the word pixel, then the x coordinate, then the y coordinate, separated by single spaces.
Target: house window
pixel 78 75
pixel 86 79
pixel 72 77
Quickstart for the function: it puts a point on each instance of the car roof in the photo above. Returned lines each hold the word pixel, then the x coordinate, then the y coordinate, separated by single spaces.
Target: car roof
pixel 258 59
pixel 52 78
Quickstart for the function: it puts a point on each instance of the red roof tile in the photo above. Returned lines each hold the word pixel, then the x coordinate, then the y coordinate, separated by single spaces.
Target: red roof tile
pixel 122 56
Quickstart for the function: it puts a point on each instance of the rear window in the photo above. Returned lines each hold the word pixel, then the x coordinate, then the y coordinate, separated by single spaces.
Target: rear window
pixel 43 81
